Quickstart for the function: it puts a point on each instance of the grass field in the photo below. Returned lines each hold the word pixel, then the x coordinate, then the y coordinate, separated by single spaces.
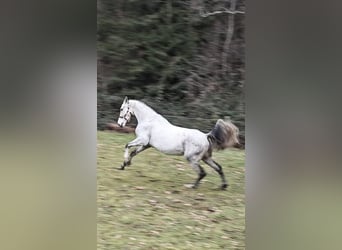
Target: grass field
pixel 147 206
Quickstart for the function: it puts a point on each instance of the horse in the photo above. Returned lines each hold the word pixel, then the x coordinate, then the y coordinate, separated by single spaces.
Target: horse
pixel 153 130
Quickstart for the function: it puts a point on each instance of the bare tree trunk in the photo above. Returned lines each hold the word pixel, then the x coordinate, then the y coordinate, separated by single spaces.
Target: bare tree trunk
pixel 215 49
pixel 230 32
pixel 169 12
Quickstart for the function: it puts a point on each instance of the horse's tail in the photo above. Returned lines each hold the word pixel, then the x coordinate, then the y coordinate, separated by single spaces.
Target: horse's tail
pixel 225 134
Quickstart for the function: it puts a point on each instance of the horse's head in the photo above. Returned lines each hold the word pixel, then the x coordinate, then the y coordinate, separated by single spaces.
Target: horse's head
pixel 125 113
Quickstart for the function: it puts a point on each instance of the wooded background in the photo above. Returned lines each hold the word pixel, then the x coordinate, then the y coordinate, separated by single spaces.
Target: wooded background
pixel 185 59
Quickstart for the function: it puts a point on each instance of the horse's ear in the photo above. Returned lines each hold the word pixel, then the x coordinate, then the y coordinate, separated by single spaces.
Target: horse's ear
pixel 126 99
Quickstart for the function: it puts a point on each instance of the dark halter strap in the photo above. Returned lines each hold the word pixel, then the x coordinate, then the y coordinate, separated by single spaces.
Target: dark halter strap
pixel 125 116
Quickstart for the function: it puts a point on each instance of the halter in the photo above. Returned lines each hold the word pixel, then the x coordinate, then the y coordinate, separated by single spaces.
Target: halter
pixel 125 116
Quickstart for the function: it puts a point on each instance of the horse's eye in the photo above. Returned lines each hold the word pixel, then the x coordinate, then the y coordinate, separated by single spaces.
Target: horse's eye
pixel 121 109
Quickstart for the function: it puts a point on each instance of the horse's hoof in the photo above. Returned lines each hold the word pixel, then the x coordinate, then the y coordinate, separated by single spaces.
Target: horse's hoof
pixel 121 168
pixel 224 186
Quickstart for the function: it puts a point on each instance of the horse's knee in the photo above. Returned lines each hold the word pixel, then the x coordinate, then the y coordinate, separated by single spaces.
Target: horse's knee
pixel 202 174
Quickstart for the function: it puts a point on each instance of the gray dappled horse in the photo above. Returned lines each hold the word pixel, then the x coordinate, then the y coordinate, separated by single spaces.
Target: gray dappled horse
pixel 153 130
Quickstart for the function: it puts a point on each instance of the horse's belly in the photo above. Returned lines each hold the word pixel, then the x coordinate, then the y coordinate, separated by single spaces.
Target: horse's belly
pixel 167 144
pixel 169 149
pixel 172 151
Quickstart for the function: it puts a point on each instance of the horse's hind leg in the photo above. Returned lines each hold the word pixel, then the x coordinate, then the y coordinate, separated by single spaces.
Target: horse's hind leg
pixel 200 171
pixel 218 169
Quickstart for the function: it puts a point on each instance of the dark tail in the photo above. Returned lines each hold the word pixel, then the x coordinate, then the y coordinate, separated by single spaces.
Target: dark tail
pixel 225 134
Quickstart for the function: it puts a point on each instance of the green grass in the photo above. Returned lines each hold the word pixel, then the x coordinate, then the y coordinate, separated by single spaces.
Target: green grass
pixel 147 206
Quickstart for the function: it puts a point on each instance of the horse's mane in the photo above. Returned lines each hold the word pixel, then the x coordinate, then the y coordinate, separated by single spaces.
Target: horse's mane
pixel 142 104
pixel 151 112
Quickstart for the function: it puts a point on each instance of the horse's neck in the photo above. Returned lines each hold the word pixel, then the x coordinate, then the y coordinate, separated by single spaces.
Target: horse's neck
pixel 142 112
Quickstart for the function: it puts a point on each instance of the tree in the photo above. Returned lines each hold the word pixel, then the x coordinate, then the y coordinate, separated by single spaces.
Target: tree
pixel 184 58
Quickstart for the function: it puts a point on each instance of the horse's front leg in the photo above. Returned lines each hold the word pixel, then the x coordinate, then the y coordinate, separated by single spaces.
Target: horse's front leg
pixel 135 152
pixel 138 142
